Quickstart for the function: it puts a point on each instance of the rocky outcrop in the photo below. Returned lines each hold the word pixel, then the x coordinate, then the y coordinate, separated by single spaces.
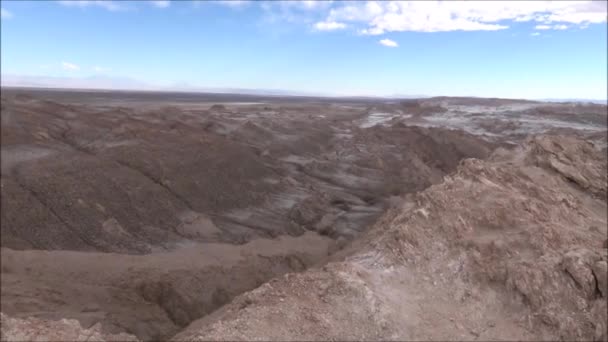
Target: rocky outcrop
pixel 33 329
pixel 574 160
pixel 509 248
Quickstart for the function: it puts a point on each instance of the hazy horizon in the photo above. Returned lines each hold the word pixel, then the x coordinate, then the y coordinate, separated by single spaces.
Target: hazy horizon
pixel 261 93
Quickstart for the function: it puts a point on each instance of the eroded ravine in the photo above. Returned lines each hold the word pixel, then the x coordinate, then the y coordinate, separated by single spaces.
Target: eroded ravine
pixel 143 218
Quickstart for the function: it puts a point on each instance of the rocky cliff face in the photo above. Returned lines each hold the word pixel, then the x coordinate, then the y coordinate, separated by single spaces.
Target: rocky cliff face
pixel 509 248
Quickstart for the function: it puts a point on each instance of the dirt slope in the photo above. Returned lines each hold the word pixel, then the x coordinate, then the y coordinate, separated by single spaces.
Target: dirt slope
pixel 151 296
pixel 510 248
pixel 127 179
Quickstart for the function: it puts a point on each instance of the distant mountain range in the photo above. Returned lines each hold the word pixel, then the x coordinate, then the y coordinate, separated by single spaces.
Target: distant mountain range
pixel 92 82
pixel 124 83
pixel 604 102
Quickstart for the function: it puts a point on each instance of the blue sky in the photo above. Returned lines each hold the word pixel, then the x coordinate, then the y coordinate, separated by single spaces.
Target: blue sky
pixel 518 49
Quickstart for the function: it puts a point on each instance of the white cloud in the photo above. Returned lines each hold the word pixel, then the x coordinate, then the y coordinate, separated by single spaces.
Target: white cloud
pixel 388 42
pixel 161 3
pixel 69 66
pixel 233 3
pixel 535 34
pixel 303 12
pixel 551 27
pixel 307 4
pixel 100 69
pixel 107 4
pixel 5 14
pixel 379 17
pixel 329 26
pixel 311 4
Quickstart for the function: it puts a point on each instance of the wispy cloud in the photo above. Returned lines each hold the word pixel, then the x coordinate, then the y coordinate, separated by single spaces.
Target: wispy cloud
pixel 5 14
pixel 161 3
pixel 388 42
pixel 379 17
pixel 535 34
pixel 100 69
pixel 233 3
pixel 106 4
pixel 307 4
pixel 329 26
pixel 303 12
pixel 69 66
pixel 551 27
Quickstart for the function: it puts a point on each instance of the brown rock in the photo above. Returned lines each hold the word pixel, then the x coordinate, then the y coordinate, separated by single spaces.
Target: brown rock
pixel 34 329
pixel 600 271
pixel 577 264
pixel 598 312
pixel 218 107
